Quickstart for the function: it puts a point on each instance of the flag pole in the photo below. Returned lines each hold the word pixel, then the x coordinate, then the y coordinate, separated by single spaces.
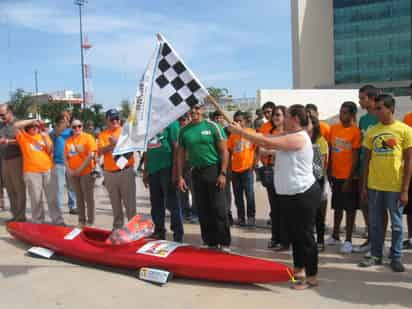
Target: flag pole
pixel 219 108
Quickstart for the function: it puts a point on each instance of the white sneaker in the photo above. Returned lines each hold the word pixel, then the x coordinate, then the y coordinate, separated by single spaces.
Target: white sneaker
pixel 332 241
pixel 225 249
pixel 346 247
pixel 362 248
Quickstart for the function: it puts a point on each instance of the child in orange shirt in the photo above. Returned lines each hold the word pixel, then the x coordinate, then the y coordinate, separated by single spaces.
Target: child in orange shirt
pixel 37 148
pixel 344 142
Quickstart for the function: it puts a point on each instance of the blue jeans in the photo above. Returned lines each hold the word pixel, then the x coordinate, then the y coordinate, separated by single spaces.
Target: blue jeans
pixel 243 183
pixel 163 195
pixel 378 202
pixel 71 196
pixel 58 179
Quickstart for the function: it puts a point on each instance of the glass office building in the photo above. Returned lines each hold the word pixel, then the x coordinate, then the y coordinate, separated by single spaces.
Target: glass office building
pixel 372 41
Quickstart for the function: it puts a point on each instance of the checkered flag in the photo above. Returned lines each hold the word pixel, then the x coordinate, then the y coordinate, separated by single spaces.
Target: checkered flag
pixel 167 91
pixel 176 81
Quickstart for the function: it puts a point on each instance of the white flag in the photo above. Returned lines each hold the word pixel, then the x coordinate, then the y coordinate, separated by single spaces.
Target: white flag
pixel 169 90
pixel 134 132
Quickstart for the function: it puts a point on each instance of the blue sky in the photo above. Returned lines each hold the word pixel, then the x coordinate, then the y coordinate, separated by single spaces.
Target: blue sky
pixel 240 45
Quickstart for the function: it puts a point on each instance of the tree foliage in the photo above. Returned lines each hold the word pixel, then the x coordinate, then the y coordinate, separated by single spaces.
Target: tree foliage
pixel 21 103
pixel 218 93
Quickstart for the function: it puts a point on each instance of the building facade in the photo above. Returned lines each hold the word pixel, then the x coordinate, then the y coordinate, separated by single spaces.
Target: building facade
pixel 348 43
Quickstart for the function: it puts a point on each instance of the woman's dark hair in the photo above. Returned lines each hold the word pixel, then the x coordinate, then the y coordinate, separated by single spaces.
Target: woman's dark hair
pixel 239 114
pixel 269 104
pixel 298 110
pixel 59 118
pixel 315 128
pixel 387 100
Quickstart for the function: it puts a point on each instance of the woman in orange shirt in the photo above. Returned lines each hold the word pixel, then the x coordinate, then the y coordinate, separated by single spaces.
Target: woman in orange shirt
pixel 37 150
pixel 79 152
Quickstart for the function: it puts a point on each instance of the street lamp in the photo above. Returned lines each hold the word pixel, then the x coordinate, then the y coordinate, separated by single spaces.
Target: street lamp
pixel 80 3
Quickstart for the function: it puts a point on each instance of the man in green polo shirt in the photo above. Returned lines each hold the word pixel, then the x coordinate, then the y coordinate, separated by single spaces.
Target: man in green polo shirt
pixel 205 144
pixel 159 175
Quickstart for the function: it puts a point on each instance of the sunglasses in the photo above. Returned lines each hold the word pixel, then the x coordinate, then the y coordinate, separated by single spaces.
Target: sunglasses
pixel 32 127
pixel 114 119
pixel 77 126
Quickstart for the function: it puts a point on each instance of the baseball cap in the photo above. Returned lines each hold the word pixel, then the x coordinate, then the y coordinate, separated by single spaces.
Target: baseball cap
pixel 112 113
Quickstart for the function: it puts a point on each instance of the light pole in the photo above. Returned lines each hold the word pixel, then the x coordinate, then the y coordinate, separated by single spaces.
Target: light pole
pixel 80 3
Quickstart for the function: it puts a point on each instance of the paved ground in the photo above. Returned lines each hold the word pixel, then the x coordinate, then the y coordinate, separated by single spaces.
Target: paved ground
pixel 27 282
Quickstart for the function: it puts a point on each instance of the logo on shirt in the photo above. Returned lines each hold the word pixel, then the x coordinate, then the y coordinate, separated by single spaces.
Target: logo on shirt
pixel 206 132
pixel 241 145
pixel 37 146
pixel 341 145
pixel 155 142
pixel 384 143
pixel 73 151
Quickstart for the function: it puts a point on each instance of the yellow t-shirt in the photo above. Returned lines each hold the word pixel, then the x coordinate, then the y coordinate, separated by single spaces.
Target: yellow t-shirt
pixel 387 143
pixel 324 148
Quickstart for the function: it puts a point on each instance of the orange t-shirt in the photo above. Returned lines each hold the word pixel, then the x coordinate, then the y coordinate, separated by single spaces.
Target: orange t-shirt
pixel 243 152
pixel 77 149
pixel 324 129
pixel 343 141
pixel 267 129
pixel 36 159
pixel 103 141
pixel 408 119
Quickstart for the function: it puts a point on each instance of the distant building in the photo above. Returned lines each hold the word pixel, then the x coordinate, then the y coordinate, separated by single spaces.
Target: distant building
pixel 348 43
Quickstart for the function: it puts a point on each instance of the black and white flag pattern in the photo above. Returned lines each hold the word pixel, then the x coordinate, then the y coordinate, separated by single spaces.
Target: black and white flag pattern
pixel 176 81
pixel 175 89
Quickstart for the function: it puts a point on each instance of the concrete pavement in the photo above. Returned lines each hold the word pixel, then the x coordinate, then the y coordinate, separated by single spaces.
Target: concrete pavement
pixel 27 282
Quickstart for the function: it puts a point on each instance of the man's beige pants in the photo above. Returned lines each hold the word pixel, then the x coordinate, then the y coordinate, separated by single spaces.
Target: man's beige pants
pixel 122 189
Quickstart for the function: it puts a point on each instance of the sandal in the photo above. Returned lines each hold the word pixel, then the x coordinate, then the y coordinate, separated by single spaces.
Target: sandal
pixel 303 285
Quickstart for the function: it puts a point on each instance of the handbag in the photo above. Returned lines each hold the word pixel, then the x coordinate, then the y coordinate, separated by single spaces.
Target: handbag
pixel 266 175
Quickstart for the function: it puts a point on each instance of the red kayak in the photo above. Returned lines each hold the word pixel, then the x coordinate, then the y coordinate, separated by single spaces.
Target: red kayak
pixel 91 245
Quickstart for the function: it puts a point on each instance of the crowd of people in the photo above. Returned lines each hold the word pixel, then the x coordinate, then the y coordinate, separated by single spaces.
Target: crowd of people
pixel 192 165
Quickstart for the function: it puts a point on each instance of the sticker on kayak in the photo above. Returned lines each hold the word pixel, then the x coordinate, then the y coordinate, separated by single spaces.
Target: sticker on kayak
pixel 73 234
pixel 160 248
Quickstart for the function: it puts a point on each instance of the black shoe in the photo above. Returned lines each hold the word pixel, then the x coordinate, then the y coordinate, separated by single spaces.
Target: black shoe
pixel 158 235
pixel 178 238
pixel 273 245
pixel 269 222
pixel 73 211
pixel 282 248
pixel 240 222
pixel 397 266
pixel 407 244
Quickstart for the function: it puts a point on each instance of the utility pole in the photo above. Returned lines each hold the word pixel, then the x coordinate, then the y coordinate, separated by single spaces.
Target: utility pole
pixel 80 3
pixel 36 82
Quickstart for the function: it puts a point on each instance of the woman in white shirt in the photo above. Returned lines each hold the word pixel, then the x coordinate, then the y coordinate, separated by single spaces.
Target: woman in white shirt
pixel 297 188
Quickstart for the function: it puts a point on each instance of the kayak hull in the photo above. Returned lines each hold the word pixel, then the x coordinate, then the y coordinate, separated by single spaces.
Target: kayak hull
pixel 185 261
